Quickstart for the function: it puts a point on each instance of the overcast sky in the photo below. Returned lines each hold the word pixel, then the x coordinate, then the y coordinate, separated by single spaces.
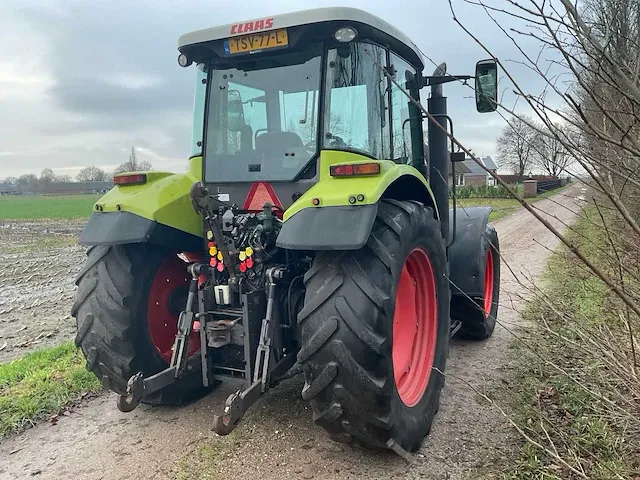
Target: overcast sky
pixel 81 82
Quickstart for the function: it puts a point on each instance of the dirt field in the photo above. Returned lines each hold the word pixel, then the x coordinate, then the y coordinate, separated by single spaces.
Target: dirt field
pixel 38 264
pixel 278 439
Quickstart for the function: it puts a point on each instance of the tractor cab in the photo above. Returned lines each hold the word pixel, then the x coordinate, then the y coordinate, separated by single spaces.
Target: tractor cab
pixel 273 94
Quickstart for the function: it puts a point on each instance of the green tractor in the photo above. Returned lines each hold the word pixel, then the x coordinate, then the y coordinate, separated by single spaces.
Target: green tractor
pixel 308 236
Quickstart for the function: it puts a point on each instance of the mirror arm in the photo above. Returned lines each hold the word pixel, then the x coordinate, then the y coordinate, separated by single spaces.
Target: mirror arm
pixel 440 79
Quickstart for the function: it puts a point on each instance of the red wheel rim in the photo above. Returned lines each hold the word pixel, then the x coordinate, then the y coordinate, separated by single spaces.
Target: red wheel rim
pixel 415 327
pixel 168 288
pixel 488 283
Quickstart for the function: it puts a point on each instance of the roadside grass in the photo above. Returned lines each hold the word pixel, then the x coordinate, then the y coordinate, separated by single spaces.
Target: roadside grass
pixel 569 412
pixel 36 207
pixel 202 461
pixel 213 457
pixel 503 206
pixel 41 384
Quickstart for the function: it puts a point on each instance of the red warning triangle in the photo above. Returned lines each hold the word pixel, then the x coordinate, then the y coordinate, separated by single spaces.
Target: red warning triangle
pixel 260 194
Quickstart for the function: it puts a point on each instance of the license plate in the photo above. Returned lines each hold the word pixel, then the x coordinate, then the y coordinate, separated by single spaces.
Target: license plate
pixel 257 42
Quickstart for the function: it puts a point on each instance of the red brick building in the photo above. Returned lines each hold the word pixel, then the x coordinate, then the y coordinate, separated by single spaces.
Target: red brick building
pixel 470 173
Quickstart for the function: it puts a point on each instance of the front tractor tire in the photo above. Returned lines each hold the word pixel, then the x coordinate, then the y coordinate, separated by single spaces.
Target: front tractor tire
pixel 126 309
pixel 375 331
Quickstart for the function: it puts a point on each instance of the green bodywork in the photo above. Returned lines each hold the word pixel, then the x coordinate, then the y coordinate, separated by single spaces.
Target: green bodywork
pixel 332 191
pixel 164 198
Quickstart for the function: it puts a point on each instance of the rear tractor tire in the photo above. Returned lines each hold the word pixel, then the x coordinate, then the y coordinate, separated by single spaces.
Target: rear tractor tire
pixel 478 313
pixel 375 331
pixel 126 309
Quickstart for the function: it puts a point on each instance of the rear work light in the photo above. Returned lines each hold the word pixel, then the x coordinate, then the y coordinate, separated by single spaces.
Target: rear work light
pixel 130 179
pixel 354 169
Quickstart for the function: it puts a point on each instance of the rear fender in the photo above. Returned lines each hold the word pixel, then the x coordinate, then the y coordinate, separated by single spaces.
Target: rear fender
pixel 338 213
pixel 466 255
pixel 328 228
pixel 158 211
pixel 117 228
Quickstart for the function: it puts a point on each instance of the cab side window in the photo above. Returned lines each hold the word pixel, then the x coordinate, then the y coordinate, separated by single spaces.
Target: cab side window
pixel 406 119
pixel 356 110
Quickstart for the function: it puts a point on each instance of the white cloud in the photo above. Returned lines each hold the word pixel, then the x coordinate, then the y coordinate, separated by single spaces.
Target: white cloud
pixel 81 82
pixel 132 81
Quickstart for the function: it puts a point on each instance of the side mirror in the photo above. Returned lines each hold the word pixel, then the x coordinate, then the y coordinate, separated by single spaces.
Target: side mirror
pixel 235 111
pixel 486 86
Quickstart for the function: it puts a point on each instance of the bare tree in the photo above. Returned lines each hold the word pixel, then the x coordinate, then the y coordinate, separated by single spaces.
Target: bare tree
pixel 517 144
pixel 589 63
pixel 551 155
pixel 307 131
pixel 47 177
pixel 92 174
pixel 28 182
pixel 133 165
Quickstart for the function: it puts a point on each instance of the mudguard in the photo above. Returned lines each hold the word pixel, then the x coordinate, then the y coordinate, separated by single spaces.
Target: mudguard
pixel 338 213
pixel 467 254
pixel 116 228
pixel 158 211
pixel 328 228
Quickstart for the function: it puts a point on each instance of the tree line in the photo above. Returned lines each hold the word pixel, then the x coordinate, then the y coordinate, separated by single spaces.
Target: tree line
pixel 525 145
pixel 584 349
pixel 32 183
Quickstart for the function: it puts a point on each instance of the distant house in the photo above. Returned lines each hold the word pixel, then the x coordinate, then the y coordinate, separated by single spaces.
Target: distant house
pixel 8 189
pixel 461 171
pixel 470 173
pixel 71 188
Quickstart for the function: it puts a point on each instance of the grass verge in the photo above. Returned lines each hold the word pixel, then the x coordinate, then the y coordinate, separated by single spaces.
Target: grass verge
pixel 570 410
pixel 503 206
pixel 201 462
pixel 204 460
pixel 36 207
pixel 40 384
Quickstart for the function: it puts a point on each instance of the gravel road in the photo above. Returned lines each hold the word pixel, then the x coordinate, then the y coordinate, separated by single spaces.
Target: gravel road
pixel 277 439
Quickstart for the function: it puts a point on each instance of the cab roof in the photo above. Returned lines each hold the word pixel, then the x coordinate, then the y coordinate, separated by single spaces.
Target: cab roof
pixel 346 15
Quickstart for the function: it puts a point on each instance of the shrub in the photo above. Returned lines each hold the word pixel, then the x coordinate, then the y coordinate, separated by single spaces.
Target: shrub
pixel 484 191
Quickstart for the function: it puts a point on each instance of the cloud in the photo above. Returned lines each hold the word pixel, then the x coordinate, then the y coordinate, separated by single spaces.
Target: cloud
pixel 81 82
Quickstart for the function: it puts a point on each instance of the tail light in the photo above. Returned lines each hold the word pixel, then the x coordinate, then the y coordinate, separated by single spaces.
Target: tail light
pixel 354 169
pixel 130 179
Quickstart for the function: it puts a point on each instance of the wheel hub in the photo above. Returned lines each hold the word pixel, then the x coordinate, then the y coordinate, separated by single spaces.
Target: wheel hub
pixel 488 283
pixel 415 327
pixel 168 287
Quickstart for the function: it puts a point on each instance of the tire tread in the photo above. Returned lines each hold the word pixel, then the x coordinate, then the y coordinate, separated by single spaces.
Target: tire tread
pixel 108 318
pixel 345 334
